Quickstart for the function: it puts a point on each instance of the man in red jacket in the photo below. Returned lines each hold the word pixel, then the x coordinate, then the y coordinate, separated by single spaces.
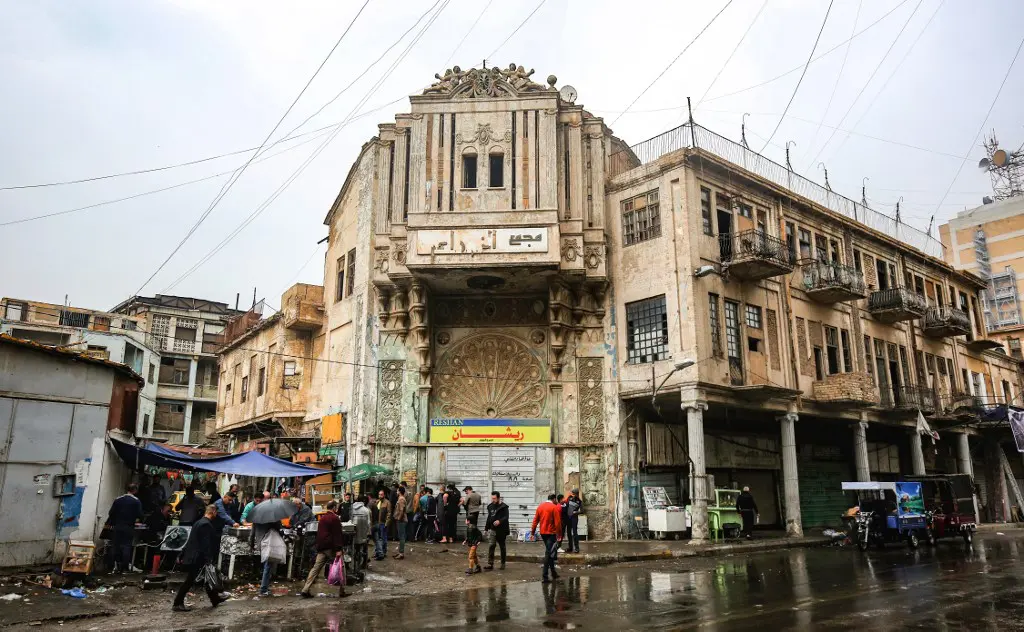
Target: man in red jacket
pixel 549 517
pixel 329 545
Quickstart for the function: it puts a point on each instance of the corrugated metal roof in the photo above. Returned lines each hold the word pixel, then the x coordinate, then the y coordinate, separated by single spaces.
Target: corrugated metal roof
pixel 70 355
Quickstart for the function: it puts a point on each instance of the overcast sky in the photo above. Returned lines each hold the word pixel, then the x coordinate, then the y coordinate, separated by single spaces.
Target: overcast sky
pixel 101 87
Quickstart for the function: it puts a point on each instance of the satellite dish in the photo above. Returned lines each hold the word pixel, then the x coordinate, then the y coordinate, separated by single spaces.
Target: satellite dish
pixel 984 164
pixel 568 94
pixel 999 157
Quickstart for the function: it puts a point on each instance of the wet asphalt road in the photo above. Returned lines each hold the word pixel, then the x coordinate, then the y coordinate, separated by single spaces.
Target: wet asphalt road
pixel 950 587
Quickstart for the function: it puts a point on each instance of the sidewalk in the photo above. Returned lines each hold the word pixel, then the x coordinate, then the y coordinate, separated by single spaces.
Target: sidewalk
pixel 615 551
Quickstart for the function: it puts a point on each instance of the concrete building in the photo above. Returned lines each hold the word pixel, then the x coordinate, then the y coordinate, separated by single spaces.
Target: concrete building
pixel 989 241
pixel 108 336
pixel 509 289
pixel 266 374
pixel 59 477
pixel 188 333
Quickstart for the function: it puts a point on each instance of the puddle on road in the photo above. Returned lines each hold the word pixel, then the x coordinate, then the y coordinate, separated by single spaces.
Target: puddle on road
pixel 793 588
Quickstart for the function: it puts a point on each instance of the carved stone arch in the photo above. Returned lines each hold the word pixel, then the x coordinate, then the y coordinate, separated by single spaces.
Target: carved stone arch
pixel 489 375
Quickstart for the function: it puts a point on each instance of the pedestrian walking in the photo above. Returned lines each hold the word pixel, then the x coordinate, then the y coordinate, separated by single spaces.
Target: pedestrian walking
pixel 200 550
pixel 549 519
pixel 473 540
pixel 573 507
pixel 497 529
pixel 748 511
pixel 329 547
pixel 380 551
pixel 473 503
pixel 401 518
pixel 560 501
pixel 125 511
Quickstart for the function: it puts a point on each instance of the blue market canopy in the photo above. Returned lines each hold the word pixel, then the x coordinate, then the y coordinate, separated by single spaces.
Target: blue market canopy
pixel 245 464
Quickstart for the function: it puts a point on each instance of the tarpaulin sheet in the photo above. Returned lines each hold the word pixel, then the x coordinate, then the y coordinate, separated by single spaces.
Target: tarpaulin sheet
pixel 245 464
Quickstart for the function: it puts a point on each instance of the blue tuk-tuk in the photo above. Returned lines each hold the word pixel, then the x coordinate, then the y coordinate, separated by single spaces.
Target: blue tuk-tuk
pixel 888 512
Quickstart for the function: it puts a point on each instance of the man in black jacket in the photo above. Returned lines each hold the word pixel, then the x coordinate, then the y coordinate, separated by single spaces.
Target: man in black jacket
pixel 199 551
pixel 497 528
pixel 748 511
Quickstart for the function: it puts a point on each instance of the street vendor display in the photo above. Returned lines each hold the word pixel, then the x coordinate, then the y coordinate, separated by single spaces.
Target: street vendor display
pixel 663 518
pixel 888 512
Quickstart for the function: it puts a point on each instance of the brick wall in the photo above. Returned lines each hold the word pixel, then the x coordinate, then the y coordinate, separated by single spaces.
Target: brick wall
pixel 845 387
pixel 806 363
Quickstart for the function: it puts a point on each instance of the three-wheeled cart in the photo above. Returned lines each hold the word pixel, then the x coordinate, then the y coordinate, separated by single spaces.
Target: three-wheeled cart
pixel 889 512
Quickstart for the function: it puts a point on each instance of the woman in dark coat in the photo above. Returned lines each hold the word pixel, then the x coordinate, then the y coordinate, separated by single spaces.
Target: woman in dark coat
pixel 200 550
pixel 451 513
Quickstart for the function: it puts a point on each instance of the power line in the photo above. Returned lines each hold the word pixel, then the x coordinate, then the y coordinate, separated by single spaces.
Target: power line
pixel 316 153
pixel 839 76
pixel 471 28
pixel 797 68
pixel 674 60
pixel 315 134
pixel 729 58
pixel 874 99
pixel 801 80
pixel 982 126
pixel 238 174
pixel 878 66
pixel 512 34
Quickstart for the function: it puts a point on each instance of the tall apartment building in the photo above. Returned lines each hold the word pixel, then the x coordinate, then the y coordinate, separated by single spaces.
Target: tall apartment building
pixel 512 295
pixel 104 335
pixel 188 333
pixel 989 241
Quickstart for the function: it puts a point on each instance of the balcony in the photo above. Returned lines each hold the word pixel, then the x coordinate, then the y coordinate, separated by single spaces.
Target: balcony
pixel 830 283
pixel 302 314
pixel 943 322
pixel 983 344
pixel 205 391
pixel 753 255
pixel 896 304
pixel 845 390
pixel 909 399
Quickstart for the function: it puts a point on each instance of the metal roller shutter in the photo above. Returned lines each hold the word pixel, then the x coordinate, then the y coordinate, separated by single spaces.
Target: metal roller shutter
pixel 510 470
pixel 822 499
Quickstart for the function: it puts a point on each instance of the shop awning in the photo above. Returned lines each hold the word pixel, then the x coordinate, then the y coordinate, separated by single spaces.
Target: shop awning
pixel 245 464
pixel 362 472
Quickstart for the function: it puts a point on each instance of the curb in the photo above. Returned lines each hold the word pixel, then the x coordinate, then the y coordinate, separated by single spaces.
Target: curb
pixel 602 559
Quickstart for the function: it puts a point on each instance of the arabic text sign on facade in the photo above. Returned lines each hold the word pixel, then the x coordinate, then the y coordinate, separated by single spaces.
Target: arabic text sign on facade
pixel 479 240
pixel 490 431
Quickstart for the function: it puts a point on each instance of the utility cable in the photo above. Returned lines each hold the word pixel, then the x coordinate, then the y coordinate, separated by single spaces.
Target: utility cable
pixel 674 60
pixel 733 53
pixel 839 76
pixel 801 80
pixel 874 72
pixel 797 68
pixel 316 153
pixel 466 36
pixel 238 174
pixel 874 99
pixel 512 34
pixel 981 127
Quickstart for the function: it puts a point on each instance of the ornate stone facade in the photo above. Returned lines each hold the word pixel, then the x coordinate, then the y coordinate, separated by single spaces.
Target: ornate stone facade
pixel 489 375
pixel 390 381
pixel 591 400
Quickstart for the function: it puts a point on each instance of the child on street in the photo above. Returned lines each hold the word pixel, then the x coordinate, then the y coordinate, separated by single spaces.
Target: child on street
pixel 473 540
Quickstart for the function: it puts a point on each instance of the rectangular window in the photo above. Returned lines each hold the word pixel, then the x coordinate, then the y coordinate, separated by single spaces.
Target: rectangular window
pixel 716 326
pixel 967 381
pixel 705 211
pixel 15 311
pixel 857 265
pixel 1007 394
pixel 791 240
pixel 350 274
pixel 819 364
pixel 339 291
pixel 496 171
pixel 469 171
pixel 753 316
pixel 833 247
pixel 289 367
pixel 906 365
pixel 832 349
pixel 746 211
pixel 821 248
pixel 152 373
pixel 646 330
pixel 732 329
pixel 73 319
pixel 868 358
pixel 130 325
pixel 245 388
pixel 101 323
pixel 261 386
pixel 641 218
pixel 805 243
pixel 844 338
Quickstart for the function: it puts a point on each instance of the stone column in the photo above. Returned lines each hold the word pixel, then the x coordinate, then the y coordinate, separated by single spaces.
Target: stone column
pixel 790 476
pixel 916 454
pixel 698 473
pixel 860 451
pixel 193 367
pixel 964 465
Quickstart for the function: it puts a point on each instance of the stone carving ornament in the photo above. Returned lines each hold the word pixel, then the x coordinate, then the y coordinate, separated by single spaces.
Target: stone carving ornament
pixel 488 312
pixel 591 393
pixel 483 136
pixel 571 249
pixel 594 255
pixel 594 483
pixel 389 401
pixel 489 375
pixel 487 82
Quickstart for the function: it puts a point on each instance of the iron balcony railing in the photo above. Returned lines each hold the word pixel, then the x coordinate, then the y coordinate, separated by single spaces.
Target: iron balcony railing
pixel 824 275
pixel 896 298
pixel 753 244
pixel 941 317
pixel 910 397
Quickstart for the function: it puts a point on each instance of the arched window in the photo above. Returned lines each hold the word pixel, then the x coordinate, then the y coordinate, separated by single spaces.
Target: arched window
pixel 469 169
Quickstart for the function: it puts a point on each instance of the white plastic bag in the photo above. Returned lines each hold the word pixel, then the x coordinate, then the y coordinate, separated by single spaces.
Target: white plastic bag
pixel 273 548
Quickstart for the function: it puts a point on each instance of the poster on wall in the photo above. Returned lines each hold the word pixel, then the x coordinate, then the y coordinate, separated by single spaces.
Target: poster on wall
pixel 490 431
